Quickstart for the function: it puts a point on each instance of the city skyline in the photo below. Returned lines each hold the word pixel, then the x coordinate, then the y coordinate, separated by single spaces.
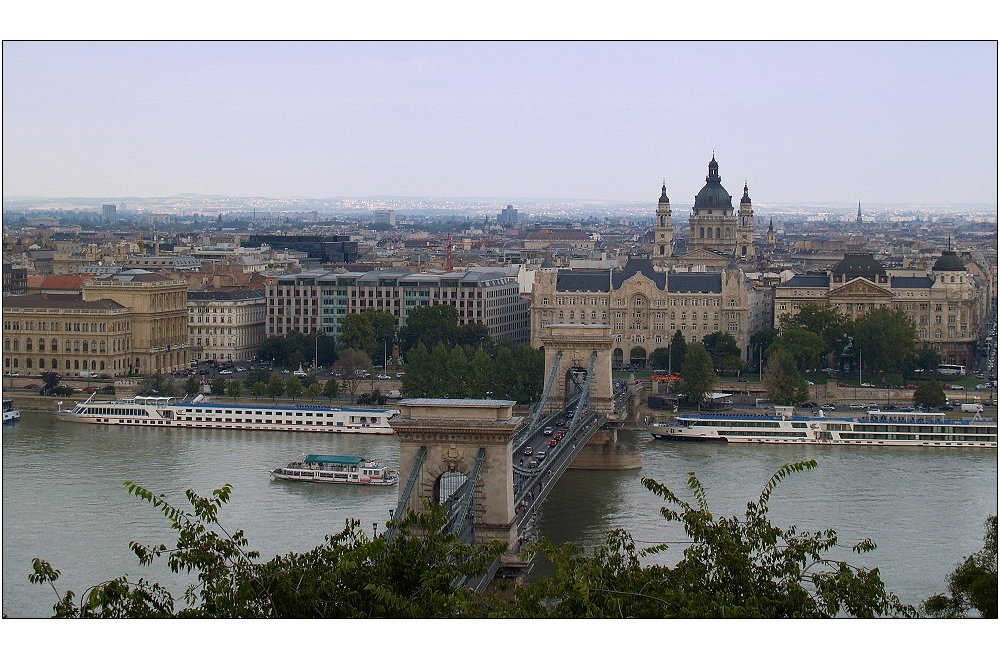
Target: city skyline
pixel 884 123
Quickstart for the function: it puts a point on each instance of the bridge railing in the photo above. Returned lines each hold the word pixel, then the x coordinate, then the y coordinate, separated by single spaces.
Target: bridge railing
pixel 404 498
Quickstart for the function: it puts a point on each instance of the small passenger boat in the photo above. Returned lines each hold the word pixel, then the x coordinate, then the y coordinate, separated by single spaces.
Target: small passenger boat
pixel 351 469
pixel 10 413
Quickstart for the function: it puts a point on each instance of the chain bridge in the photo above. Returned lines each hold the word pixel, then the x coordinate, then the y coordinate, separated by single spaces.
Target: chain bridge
pixel 490 468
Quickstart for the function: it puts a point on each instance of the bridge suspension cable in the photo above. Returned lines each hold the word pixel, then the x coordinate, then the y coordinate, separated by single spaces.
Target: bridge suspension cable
pixel 404 499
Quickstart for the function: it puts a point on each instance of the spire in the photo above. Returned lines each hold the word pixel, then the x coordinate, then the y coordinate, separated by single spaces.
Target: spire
pixel 664 199
pixel 859 212
pixel 746 194
pixel 770 225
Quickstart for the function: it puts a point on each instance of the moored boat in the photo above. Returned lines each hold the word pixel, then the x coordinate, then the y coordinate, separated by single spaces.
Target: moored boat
pixel 159 411
pixel 350 469
pixel 877 429
pixel 10 413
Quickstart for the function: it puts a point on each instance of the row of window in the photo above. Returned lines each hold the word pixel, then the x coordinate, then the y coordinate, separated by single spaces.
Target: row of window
pixel 68 346
pixel 53 326
pixel 54 363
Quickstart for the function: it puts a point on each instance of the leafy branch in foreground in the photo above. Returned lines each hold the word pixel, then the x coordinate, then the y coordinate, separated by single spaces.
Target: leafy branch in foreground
pixel 738 567
pixel 973 583
pixel 733 568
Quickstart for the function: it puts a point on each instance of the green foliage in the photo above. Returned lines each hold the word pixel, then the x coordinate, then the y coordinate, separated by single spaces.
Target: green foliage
pixel 234 388
pixel 416 574
pixel 429 325
pixel 763 338
pixel 826 322
pixel 258 389
pixel 296 348
pixel 51 380
pixel 803 346
pixel 731 568
pixel 331 389
pixel 275 386
pixel 973 583
pixel 783 380
pixel 724 351
pixel 157 384
pixel 218 386
pixel 698 375
pixel 928 359
pixel 293 387
pixel 351 362
pixel 515 373
pixel 678 350
pixel 370 331
pixel 191 386
pixel 314 389
pixel 929 393
pixel 887 339
pixel 659 359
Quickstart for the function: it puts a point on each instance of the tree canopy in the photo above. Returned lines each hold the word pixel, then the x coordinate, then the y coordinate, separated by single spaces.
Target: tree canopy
pixel 827 322
pixel 972 584
pixel 698 377
pixel 887 339
pixel 724 351
pixel 783 380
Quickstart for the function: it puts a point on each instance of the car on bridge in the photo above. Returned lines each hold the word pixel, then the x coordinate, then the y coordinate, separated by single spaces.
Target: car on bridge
pixel 540 455
pixel 528 450
pixel 548 430
pixel 559 435
pixel 553 442
pixel 533 464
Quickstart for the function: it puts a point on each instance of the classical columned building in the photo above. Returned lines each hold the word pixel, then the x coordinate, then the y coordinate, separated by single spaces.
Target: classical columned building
pixel 66 335
pixel 944 303
pixel 158 304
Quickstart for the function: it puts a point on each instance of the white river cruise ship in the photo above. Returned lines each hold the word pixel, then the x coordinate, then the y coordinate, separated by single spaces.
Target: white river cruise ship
pixel 200 413
pixel 878 429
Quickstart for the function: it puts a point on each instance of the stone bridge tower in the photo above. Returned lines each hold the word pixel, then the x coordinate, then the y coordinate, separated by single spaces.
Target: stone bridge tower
pixel 577 343
pixel 451 432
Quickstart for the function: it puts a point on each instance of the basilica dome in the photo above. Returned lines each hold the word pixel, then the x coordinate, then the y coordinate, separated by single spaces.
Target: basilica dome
pixel 713 196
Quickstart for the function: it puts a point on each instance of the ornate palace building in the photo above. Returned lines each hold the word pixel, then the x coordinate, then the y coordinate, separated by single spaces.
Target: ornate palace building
pixel 645 306
pixel 946 303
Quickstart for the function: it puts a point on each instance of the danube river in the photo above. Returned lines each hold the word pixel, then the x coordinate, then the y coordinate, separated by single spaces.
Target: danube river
pixel 63 499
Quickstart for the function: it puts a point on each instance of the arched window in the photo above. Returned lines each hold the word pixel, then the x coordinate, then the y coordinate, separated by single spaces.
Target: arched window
pixel 701 232
pixel 744 250
pixel 69 347
pixel 76 364
pixel 102 347
pixel 41 363
pixel 727 233
pixel 28 362
pixel 17 345
pixel 76 346
pixel 718 232
pixel 85 346
pixel 102 364
pixel 27 344
pixel 93 345
pixel 15 362
pixel 67 365
pixel 55 345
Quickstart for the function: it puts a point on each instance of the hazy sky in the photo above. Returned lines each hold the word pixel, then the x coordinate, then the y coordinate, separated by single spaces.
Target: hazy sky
pixel 821 122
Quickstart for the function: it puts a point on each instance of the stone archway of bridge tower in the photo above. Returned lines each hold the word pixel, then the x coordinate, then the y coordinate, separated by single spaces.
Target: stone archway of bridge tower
pixel 575 344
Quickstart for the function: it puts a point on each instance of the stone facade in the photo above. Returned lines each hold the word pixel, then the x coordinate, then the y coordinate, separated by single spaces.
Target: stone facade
pixel 225 325
pixel 646 307
pixel 944 303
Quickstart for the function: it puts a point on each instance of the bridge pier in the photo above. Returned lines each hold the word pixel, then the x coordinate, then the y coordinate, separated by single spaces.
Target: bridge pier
pixel 605 451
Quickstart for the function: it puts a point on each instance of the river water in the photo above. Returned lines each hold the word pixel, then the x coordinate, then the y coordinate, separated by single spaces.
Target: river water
pixel 64 499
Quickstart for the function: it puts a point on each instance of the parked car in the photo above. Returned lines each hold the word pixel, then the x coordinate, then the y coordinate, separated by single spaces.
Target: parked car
pixel 383 376
pixel 809 404
pixel 31 386
pixel 828 407
pixel 225 371
pixel 858 406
